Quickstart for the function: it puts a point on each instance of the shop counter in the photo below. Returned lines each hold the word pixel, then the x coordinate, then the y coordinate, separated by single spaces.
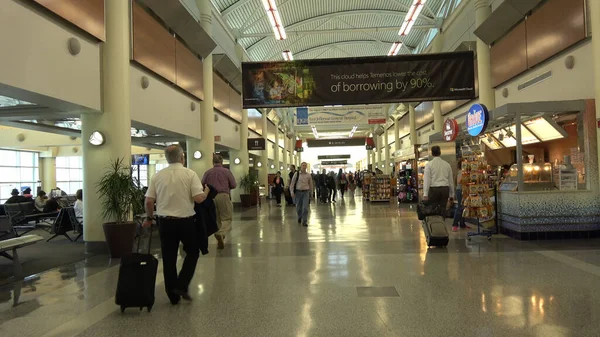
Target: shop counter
pixel 532 215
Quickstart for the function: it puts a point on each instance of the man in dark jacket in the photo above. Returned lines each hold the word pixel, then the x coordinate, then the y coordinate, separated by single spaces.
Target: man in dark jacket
pixel 16 198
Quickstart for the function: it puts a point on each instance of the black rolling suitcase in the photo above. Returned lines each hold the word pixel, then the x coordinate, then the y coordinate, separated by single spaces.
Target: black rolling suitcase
pixel 435 230
pixel 137 279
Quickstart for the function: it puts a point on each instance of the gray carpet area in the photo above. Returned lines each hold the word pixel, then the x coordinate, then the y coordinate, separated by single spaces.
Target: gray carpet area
pixel 44 255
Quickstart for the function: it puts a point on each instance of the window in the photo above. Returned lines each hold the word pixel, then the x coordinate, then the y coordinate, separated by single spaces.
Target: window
pixel 69 174
pixel 161 166
pixel 140 173
pixel 18 169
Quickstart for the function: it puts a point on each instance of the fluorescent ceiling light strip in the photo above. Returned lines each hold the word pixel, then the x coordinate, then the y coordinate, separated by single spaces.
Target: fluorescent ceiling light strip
pixel 395 49
pixel 411 16
pixel 287 55
pixel 274 19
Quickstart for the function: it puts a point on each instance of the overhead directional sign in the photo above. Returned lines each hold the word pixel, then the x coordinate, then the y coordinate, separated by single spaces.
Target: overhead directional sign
pixel 256 144
pixel 335 156
pixel 335 142
pixel 334 162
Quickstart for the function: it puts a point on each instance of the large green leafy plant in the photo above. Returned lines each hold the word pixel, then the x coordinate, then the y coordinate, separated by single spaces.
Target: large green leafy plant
pixel 119 193
pixel 249 183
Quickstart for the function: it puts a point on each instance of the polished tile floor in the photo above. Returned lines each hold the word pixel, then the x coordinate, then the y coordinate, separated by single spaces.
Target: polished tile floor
pixel 359 269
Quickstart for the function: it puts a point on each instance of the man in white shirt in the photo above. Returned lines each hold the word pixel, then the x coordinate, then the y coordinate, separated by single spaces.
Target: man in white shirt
pixel 301 189
pixel 175 189
pixel 438 180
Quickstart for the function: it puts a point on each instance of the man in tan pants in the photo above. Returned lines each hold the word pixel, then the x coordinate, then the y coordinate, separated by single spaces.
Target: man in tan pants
pixel 223 181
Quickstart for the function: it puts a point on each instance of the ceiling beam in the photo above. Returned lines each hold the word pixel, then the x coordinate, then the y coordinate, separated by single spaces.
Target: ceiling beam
pixel 238 4
pixel 290 28
pixel 336 31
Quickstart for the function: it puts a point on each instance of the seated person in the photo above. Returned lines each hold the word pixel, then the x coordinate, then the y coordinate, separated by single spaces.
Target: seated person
pixel 40 201
pixel 16 198
pixel 27 193
pixel 51 206
pixel 79 204
pixel 62 193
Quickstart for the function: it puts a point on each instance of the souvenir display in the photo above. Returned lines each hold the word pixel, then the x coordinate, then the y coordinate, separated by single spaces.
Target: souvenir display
pixel 478 185
pixel 380 188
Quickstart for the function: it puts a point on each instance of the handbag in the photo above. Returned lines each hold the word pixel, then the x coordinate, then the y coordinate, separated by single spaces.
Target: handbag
pixel 424 210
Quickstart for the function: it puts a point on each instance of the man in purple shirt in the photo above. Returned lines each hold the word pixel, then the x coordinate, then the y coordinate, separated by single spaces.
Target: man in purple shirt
pixel 223 181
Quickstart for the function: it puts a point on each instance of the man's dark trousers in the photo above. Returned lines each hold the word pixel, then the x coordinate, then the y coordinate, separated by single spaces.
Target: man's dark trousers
pixel 173 231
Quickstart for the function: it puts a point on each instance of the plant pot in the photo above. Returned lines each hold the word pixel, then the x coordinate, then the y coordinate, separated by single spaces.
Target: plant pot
pixel 119 238
pixel 254 198
pixel 246 200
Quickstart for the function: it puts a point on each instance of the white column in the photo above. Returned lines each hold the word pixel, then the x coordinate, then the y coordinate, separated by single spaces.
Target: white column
pixel 264 159
pixel 286 156
pixel 387 153
pixel 241 169
pixel 368 158
pixel 397 135
pixel 151 172
pixel 207 145
pixel 595 18
pixel 277 150
pixel 378 153
pixel 196 165
pixel 114 122
pixel 48 168
pixel 438 122
pixel 412 119
pixel 486 92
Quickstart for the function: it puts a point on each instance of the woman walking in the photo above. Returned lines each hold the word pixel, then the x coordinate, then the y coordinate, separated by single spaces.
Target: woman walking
pixel 278 188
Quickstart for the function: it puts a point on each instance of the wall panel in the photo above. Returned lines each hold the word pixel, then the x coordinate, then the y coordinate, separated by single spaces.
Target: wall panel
pixel 220 95
pixel 554 27
pixel 509 55
pixel 189 71
pixel 85 14
pixel 153 46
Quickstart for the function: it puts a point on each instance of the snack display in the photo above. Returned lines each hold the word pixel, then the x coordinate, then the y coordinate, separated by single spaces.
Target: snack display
pixel 477 186
pixel 380 188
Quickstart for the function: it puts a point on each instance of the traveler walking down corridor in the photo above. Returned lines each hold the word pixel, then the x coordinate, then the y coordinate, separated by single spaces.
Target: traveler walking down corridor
pixel 278 188
pixel 302 193
pixel 175 189
pixel 223 181
pixel 438 180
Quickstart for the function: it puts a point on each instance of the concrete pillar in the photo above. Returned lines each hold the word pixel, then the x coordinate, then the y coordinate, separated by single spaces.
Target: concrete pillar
pixel 594 8
pixel 438 122
pixel 378 153
pixel 286 155
pixel 397 135
pixel 196 165
pixel 387 153
pixel 207 145
pixel 241 169
pixel 412 119
pixel 277 151
pixel 48 175
pixel 486 92
pixel 151 172
pixel 264 159
pixel 114 122
pixel 368 158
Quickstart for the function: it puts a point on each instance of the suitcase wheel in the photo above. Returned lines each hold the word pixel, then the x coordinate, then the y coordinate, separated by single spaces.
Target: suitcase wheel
pixel 122 309
pixel 149 308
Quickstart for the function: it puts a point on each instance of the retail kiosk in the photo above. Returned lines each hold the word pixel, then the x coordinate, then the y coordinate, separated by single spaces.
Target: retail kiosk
pixel 547 168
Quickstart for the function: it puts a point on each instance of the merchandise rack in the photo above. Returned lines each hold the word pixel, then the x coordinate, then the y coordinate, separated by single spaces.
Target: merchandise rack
pixel 380 188
pixel 366 187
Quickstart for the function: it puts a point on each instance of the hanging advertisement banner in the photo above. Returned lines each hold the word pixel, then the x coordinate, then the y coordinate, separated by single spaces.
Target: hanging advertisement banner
pixel 351 115
pixel 365 80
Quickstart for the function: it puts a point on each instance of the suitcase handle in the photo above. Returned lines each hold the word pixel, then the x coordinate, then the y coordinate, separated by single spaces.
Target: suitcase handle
pixel 140 239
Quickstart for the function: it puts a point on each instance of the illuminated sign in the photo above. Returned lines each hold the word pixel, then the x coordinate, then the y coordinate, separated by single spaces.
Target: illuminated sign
pixel 477 119
pixel 450 130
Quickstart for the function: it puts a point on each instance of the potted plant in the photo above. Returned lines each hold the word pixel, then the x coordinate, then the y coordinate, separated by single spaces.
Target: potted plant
pixel 120 197
pixel 249 183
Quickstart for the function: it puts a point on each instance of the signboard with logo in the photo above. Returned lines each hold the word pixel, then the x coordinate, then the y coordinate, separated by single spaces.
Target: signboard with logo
pixel 335 142
pixel 359 80
pixel 477 119
pixel 348 115
pixel 256 144
pixel 370 145
pixel 450 130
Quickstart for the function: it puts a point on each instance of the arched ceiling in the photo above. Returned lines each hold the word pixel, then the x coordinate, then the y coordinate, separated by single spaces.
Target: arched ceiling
pixel 330 28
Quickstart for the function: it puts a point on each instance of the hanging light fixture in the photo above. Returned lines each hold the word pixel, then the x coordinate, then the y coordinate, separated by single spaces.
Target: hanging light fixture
pixel 274 19
pixel 395 48
pixel 287 55
pixel 411 16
